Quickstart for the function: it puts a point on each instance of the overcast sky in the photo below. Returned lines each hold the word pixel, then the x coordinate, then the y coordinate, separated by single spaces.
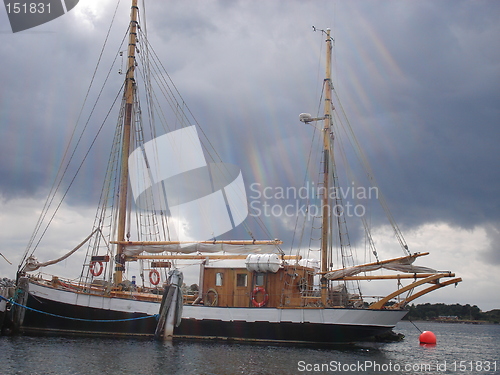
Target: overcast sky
pixel 419 80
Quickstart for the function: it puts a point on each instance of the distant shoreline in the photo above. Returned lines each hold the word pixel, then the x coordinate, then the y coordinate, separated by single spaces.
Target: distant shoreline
pixel 458 321
pixel 456 313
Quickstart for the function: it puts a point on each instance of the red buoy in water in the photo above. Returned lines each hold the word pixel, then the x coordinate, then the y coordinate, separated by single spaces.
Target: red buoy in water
pixel 427 337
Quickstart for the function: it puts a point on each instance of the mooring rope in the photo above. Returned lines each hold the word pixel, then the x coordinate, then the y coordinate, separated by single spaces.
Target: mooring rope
pixel 415 325
pixel 79 319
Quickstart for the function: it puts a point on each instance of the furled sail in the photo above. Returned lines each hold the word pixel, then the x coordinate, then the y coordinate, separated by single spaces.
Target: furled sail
pixel 136 249
pixel 32 263
pixel 403 264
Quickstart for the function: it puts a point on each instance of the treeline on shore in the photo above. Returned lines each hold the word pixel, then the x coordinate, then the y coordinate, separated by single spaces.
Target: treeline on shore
pixel 441 311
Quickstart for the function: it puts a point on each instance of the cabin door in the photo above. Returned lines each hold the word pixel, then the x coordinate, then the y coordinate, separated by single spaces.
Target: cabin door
pixel 242 283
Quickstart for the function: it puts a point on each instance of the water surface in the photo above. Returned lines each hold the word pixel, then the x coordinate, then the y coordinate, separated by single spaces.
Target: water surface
pixel 461 349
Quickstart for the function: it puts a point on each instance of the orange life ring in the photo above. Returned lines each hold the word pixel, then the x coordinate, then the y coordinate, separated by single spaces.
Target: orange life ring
pixel 154 277
pixel 256 290
pixel 95 272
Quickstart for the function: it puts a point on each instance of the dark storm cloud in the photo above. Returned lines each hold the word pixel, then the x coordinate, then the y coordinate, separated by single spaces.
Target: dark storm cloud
pixel 419 80
pixel 439 144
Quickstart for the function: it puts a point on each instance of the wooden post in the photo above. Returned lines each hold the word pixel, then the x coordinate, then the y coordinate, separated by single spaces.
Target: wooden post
pixel 18 310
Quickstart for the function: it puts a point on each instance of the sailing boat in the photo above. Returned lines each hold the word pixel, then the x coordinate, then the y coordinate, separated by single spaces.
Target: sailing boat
pixel 150 217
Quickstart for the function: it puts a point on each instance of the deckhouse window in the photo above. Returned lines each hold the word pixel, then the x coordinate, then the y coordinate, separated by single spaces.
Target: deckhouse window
pixel 219 277
pixel 241 279
pixel 259 279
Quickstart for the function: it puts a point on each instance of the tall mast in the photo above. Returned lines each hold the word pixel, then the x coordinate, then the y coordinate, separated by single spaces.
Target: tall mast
pixel 326 172
pixel 126 132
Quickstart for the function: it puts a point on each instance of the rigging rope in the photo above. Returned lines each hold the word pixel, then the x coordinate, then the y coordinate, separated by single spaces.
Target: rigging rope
pixel 70 184
pixel 308 166
pixel 175 100
pixel 364 162
pixel 57 182
pixel 351 177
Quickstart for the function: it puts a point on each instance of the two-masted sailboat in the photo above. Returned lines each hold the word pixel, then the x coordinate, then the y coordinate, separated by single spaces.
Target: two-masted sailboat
pixel 166 206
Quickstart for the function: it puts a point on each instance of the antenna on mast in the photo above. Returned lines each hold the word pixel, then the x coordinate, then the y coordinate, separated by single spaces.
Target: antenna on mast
pixel 327 32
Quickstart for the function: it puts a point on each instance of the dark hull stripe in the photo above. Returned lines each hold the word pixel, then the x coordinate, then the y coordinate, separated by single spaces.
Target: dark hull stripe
pixel 34 321
pixel 276 332
pixel 259 331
